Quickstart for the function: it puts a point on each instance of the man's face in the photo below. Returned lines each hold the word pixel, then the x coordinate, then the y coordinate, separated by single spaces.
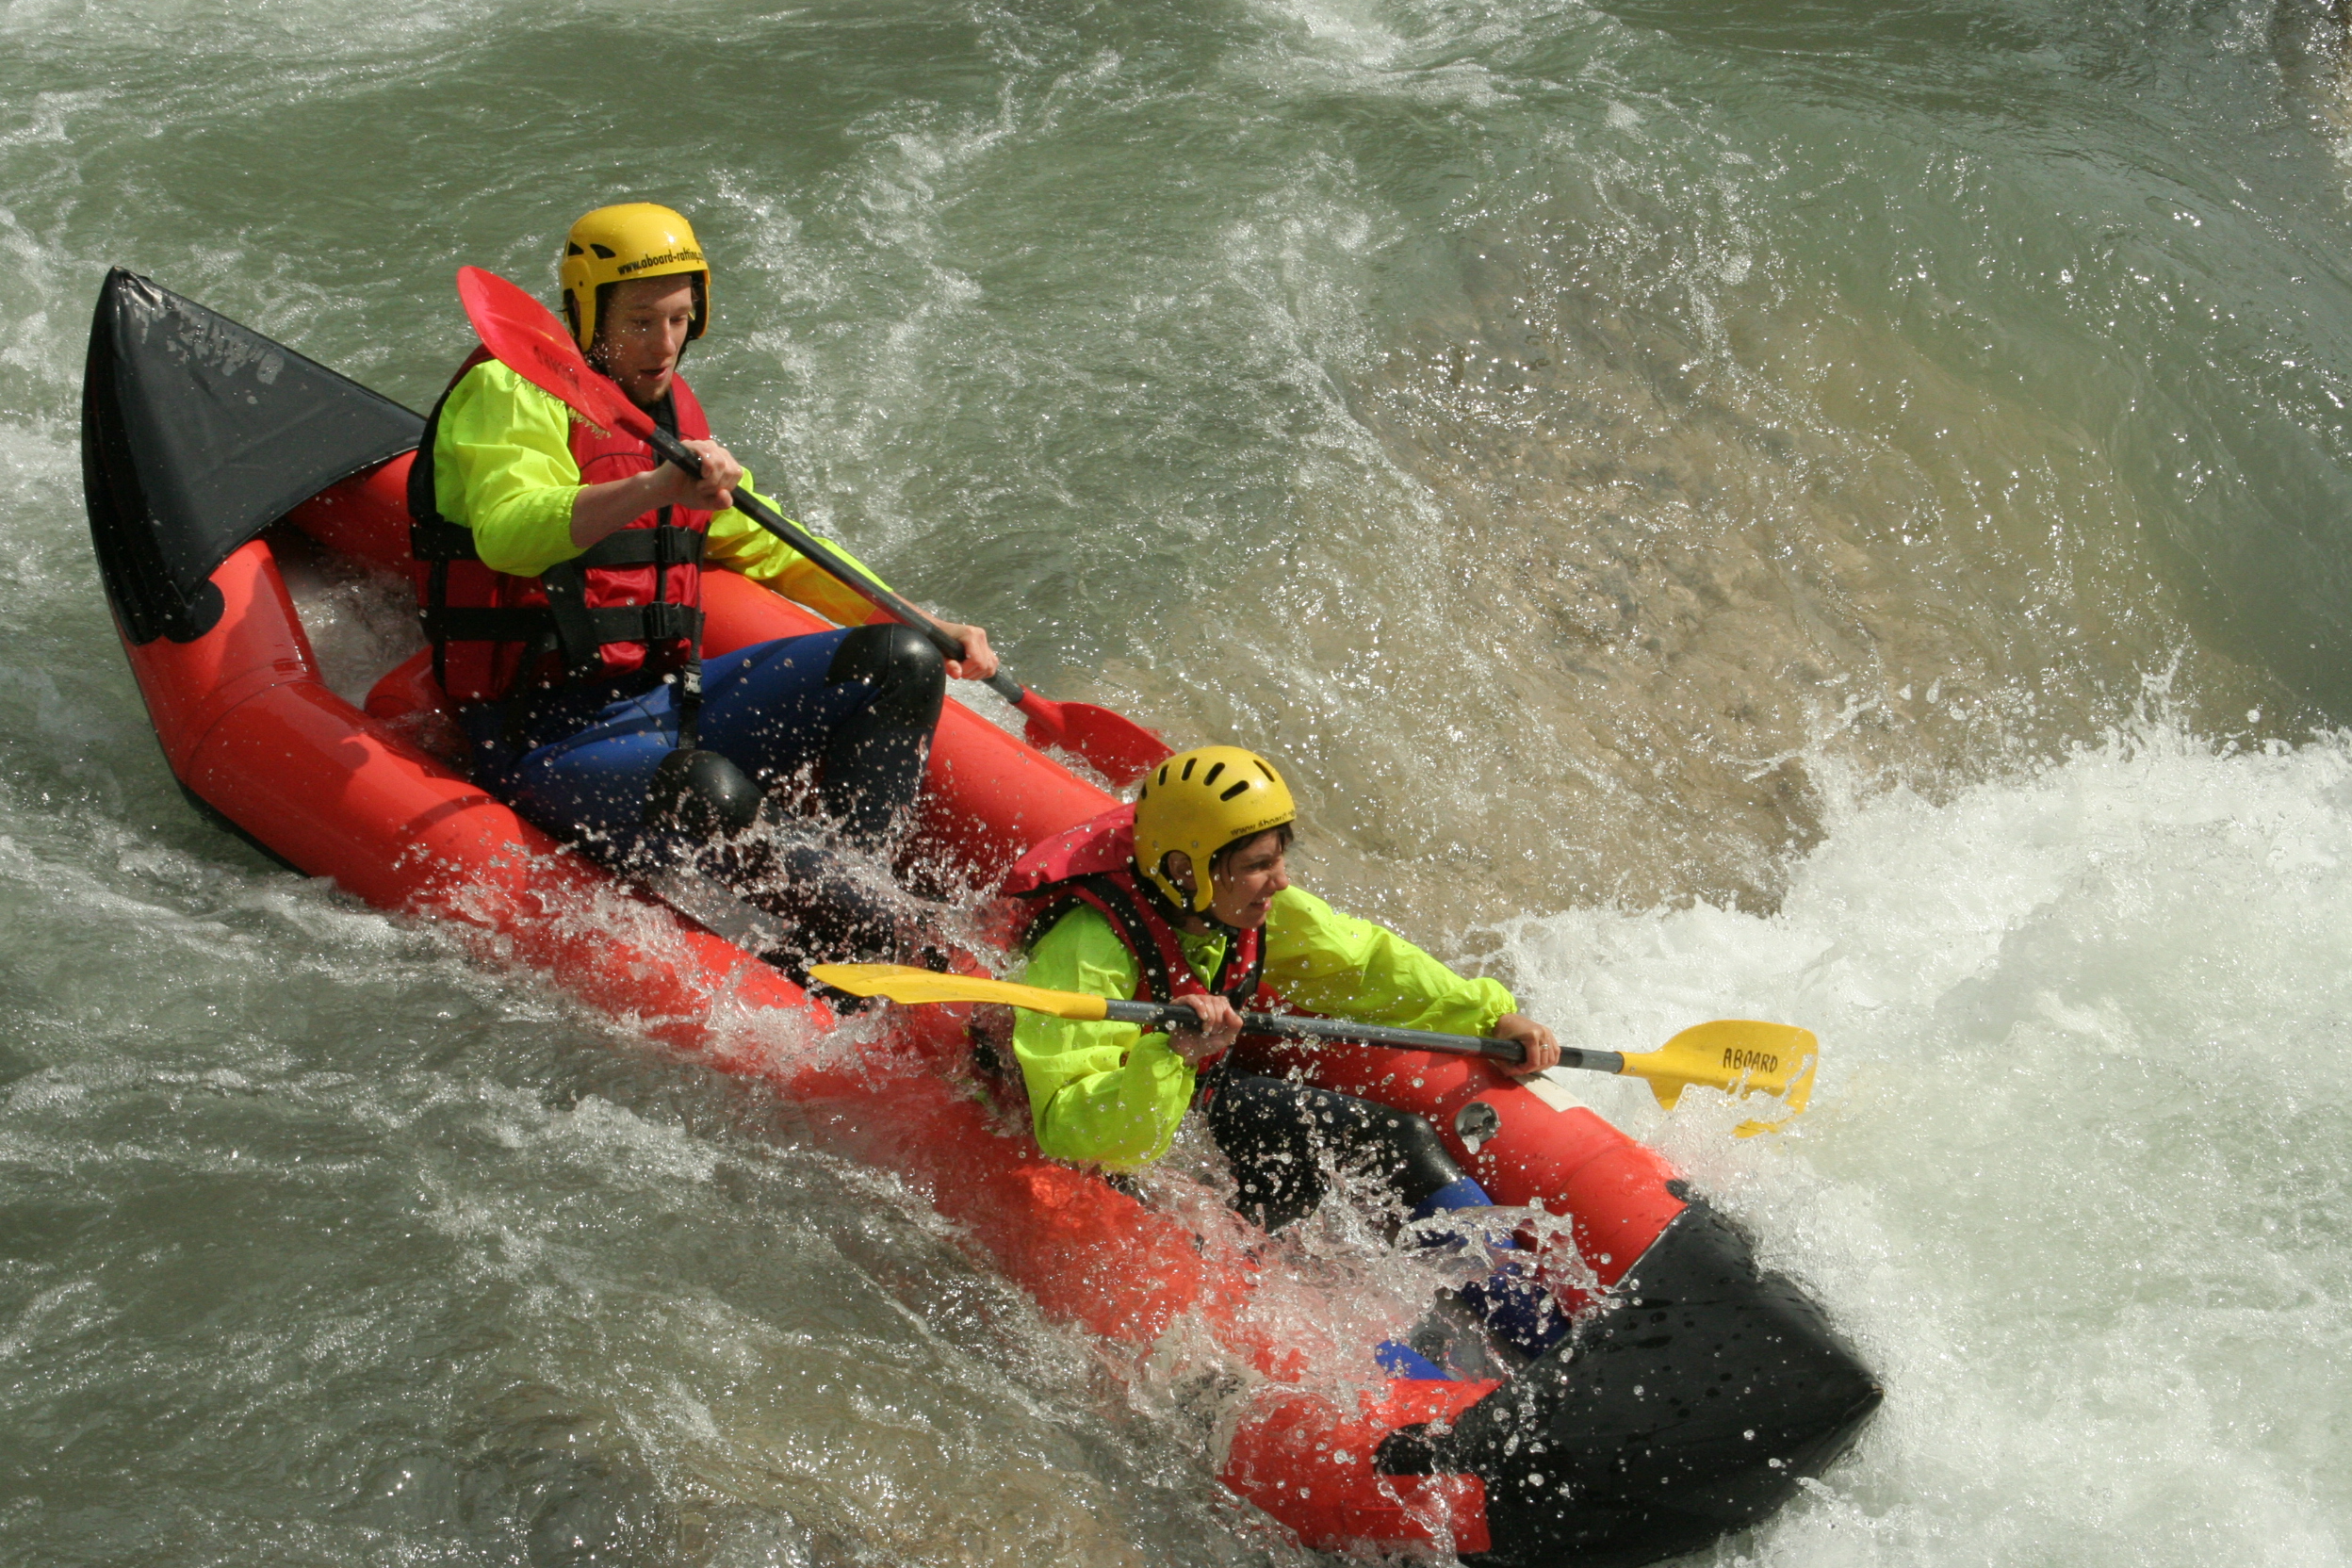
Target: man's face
pixel 642 332
pixel 1248 881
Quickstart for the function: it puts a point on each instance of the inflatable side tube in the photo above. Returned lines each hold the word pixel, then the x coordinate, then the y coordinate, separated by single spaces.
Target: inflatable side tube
pixel 1317 1469
pixel 249 731
pixel 365 516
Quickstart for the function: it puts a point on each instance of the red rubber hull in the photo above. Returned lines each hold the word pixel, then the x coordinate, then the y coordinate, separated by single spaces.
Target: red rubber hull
pixel 249 728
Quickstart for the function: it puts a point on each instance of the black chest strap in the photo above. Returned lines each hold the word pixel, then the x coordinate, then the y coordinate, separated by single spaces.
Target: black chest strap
pixel 1134 929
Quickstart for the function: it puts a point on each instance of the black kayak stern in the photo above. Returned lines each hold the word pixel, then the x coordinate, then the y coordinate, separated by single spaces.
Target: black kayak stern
pixel 1688 1406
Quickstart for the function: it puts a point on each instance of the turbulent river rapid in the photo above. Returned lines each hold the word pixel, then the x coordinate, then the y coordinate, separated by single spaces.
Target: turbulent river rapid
pixel 1822 512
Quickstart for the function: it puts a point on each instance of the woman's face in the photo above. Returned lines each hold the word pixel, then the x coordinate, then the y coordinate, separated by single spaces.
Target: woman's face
pixel 1248 881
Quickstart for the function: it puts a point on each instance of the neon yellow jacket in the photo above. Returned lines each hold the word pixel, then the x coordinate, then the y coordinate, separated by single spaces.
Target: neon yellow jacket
pixel 502 467
pixel 1109 1094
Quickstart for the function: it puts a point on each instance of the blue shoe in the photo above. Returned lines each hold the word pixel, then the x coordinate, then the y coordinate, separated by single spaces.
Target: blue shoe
pixel 1399 1360
pixel 1517 1309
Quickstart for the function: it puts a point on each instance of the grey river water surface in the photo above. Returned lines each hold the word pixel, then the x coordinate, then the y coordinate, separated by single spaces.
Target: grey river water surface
pixel 1812 511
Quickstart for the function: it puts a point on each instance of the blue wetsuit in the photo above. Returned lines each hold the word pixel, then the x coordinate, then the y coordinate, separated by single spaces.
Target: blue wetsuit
pixel 851 711
pixel 587 752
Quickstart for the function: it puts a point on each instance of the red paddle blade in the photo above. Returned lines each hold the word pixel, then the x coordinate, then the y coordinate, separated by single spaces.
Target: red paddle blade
pixel 529 340
pixel 1115 747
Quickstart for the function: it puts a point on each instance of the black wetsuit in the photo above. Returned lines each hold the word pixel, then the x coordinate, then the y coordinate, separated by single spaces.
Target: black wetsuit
pixel 1285 1140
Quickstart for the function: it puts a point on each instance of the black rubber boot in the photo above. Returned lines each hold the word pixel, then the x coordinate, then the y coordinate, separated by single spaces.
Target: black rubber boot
pixel 874 760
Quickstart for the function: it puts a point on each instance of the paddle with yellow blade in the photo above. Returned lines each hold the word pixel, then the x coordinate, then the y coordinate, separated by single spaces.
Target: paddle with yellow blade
pixel 1737 1055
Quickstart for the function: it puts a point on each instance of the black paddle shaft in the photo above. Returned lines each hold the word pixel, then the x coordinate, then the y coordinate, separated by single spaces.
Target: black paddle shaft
pixel 1155 1016
pixel 816 549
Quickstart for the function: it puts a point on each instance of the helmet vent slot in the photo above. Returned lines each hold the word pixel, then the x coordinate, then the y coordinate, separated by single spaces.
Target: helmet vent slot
pixel 604 251
pixel 1189 763
pixel 1237 787
pixel 1210 778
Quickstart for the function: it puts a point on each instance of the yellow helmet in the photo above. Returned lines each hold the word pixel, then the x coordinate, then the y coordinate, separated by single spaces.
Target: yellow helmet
pixel 1199 801
pixel 621 244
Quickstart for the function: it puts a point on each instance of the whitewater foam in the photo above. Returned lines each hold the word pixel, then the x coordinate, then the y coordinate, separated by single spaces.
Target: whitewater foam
pixel 2074 1174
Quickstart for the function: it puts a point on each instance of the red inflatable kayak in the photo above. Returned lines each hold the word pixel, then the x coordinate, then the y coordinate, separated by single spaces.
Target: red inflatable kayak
pixel 1692 1394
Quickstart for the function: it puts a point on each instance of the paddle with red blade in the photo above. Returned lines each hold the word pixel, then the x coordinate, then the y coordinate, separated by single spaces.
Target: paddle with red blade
pixel 528 339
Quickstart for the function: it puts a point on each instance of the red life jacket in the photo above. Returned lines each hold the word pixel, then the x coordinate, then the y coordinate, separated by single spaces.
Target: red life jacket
pixel 630 603
pixel 1094 864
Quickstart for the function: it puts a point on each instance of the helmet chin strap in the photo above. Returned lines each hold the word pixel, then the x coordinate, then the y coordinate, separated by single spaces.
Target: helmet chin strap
pixel 1180 911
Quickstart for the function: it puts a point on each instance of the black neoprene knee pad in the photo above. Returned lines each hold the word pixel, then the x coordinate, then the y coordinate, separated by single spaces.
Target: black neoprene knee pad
pixel 907 673
pixel 702 795
pixel 874 759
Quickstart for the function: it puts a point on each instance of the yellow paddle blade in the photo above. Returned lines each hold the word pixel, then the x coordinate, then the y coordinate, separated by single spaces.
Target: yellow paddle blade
pixel 1800 1090
pixel 1737 1055
pixel 905 983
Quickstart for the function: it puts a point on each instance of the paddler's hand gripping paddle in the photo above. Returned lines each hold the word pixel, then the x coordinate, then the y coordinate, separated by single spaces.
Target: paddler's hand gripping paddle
pixel 529 341
pixel 1737 1055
